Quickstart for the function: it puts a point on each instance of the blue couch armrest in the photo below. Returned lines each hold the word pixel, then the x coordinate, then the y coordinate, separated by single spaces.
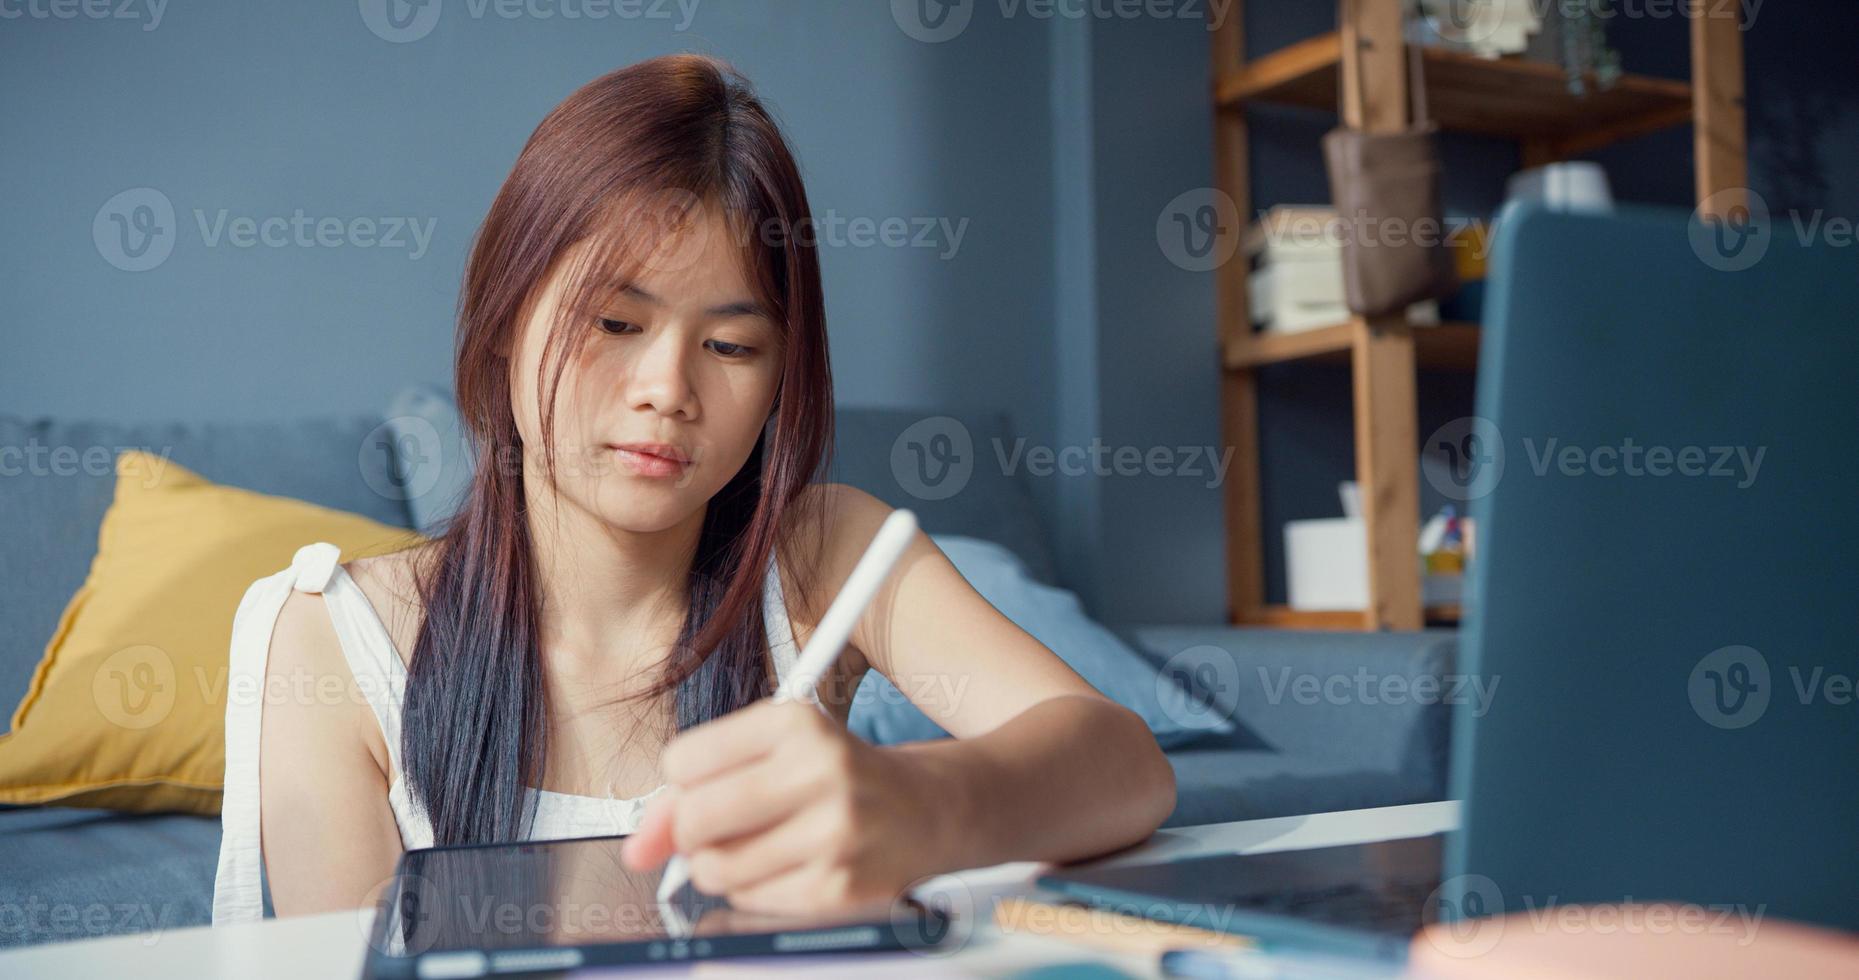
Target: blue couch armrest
pixel 1340 719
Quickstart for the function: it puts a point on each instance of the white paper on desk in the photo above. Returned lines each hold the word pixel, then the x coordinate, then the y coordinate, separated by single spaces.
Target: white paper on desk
pixel 836 966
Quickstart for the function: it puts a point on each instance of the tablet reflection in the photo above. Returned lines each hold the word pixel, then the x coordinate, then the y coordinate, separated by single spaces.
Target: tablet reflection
pixel 555 893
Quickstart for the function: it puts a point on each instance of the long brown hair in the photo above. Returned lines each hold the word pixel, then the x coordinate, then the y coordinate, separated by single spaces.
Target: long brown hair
pixel 615 165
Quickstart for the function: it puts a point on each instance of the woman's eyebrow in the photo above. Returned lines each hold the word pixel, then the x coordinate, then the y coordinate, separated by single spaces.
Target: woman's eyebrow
pixel 741 307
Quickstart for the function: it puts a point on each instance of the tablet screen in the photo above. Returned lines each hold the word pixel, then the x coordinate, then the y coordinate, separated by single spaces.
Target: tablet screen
pixel 557 893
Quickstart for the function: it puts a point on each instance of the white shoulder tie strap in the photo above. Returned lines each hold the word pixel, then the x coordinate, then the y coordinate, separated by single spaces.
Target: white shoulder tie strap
pixel 238 888
pixel 780 629
pixel 314 565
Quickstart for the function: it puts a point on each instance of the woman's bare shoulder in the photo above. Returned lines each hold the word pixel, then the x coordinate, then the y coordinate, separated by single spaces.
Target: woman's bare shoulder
pixel 318 734
pixel 391 584
pixel 829 528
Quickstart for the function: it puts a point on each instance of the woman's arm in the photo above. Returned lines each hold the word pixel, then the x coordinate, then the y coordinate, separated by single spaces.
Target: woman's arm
pixel 1069 777
pixel 328 837
pixel 1043 767
pixel 778 807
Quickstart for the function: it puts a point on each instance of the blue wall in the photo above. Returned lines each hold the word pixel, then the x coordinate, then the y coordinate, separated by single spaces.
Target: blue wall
pixel 262 110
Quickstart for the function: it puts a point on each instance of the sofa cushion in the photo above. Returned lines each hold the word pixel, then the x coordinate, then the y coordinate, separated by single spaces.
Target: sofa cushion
pixel 433 456
pixel 882 715
pixel 1218 785
pixel 77 873
pixel 1373 701
pixel 127 710
pixel 57 479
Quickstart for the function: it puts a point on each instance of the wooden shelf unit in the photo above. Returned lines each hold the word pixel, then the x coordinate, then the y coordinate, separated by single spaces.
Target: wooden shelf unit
pixel 1528 101
pixel 1365 59
pixel 1445 347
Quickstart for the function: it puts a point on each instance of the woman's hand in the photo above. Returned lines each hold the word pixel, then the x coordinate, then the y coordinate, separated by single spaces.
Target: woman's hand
pixel 780 809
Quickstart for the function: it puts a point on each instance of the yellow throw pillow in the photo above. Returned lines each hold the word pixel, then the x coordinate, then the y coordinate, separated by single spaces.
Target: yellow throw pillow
pixel 127 710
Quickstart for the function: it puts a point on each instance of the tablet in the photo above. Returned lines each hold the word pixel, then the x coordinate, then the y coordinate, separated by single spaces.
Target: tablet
pixel 544 906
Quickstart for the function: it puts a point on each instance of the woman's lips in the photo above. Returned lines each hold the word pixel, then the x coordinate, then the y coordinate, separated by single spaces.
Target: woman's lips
pixel 647 464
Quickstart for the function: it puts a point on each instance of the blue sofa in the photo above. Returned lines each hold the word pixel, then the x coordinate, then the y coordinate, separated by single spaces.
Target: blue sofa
pixel 68 873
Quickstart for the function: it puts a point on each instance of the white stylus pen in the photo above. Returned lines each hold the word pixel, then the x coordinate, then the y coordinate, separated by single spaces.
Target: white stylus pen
pixel 827 640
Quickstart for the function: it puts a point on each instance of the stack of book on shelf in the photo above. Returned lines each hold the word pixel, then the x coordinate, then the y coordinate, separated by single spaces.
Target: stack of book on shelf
pixel 1296 280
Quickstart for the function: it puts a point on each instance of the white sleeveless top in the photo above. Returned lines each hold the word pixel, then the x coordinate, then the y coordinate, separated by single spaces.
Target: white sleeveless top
pixel 381 675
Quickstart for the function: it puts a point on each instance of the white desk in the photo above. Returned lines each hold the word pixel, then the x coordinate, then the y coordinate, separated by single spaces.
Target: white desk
pixel 331 945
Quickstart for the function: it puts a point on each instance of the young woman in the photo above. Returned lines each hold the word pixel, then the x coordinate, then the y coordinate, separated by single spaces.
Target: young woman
pixel 588 648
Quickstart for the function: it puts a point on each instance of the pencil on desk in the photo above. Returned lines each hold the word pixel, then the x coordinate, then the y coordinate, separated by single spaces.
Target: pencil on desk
pixel 1104 929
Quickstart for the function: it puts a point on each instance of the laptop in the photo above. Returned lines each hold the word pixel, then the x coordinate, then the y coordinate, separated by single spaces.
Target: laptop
pixel 1661 466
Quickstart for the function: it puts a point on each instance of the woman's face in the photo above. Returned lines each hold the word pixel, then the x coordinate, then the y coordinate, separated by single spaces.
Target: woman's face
pixel 666 400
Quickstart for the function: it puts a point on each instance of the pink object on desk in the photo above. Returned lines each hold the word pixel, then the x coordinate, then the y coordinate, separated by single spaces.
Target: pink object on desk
pixel 1603 942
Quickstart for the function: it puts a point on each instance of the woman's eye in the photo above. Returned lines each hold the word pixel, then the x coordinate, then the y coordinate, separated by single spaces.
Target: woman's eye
pixel 616 326
pixel 728 349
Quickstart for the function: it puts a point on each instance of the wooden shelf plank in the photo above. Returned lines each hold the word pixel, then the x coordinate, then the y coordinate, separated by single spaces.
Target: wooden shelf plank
pixel 1267 347
pixel 1287 68
pixel 1286 618
pixel 1447 347
pixel 1509 97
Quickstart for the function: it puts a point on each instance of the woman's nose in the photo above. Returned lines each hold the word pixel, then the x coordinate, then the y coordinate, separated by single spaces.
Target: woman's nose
pixel 661 379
